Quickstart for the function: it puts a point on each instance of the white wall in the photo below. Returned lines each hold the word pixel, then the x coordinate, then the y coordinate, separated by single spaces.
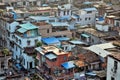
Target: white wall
pixel 28 59
pixel 102 27
pixel 110 66
pixel 24 41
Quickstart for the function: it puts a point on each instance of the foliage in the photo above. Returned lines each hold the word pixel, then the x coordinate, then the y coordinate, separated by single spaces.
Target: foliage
pixel 38 44
pixel 5 51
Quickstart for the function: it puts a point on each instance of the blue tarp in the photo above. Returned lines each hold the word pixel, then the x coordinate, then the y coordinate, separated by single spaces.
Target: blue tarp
pixel 68 65
pixel 18 66
pixel 50 40
pixel 101 18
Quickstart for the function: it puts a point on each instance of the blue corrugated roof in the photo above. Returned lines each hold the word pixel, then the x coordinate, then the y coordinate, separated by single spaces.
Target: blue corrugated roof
pixel 87 2
pixel 76 42
pixel 58 24
pixel 85 35
pixel 50 40
pixel 63 38
pixel 28 26
pixel 40 18
pixel 68 65
pixel 51 56
pixel 90 9
pixel 45 5
pixel 22 30
pixel 65 18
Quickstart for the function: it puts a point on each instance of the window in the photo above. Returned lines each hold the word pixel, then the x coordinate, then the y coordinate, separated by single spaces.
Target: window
pixel 64 12
pixel 68 12
pixel 24 3
pixel 115 66
pixel 112 78
pixel 9 27
pixel 28 42
pixel 19 41
pixel 47 30
pixel 89 18
pixel 89 12
pixel 117 24
pixel 36 41
pixel 65 58
pixel 85 18
pixel 16 48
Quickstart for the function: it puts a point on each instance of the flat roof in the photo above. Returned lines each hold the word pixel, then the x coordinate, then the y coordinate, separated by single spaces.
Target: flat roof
pixel 57 24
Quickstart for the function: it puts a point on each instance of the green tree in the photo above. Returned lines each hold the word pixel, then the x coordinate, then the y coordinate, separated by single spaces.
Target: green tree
pixel 5 51
pixel 38 44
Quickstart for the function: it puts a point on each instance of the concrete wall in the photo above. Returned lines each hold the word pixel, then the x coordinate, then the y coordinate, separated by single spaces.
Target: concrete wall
pixel 110 67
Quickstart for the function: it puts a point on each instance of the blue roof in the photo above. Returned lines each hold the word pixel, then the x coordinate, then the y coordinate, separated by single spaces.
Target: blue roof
pixel 65 18
pixel 76 42
pixel 63 39
pixel 40 18
pixel 85 35
pixel 22 30
pixel 28 26
pixel 45 5
pixel 90 73
pixel 68 65
pixel 51 56
pixel 101 18
pixel 87 2
pixel 50 40
pixel 90 9
pixel 58 24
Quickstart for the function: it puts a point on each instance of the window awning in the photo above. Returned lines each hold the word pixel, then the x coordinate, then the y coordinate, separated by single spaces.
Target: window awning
pixel 68 65
pixel 85 35
pixel 51 56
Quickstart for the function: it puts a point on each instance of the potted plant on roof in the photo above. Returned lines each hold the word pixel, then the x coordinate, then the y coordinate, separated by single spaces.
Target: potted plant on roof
pixel 5 52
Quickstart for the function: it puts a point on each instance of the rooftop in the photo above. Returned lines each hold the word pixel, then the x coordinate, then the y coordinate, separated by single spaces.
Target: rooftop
pixel 54 49
pixel 28 26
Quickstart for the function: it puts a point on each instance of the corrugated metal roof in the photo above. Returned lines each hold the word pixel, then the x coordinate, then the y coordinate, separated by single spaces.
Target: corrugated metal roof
pixel 22 30
pixel 50 40
pixel 68 65
pixel 28 26
pixel 51 56
pixel 85 35
pixel 90 9
pixel 58 24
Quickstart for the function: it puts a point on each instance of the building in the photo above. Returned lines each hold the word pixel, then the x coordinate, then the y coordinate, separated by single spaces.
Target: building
pixel 25 38
pixel 4 59
pixel 113 66
pixel 64 10
pixel 86 16
pixel 22 3
pixel 54 61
